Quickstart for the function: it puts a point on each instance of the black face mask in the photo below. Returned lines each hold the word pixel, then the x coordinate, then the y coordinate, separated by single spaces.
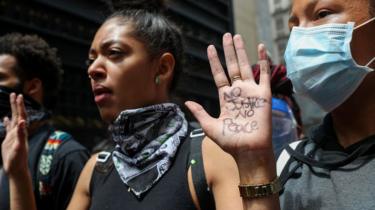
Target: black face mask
pixel 34 111
pixel 5 109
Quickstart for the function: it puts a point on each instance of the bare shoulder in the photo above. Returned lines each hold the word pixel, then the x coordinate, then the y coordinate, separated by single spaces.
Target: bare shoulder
pixel 88 169
pixel 222 175
pixel 217 160
pixel 81 197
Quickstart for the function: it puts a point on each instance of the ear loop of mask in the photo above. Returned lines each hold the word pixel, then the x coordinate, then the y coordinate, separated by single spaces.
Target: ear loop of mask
pixel 364 23
pixel 359 26
pixel 371 61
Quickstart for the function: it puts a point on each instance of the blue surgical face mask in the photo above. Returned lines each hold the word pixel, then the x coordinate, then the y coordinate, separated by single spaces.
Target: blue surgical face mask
pixel 320 64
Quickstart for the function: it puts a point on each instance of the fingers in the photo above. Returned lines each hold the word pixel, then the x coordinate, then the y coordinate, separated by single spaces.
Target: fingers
pixel 217 70
pixel 243 61
pixel 13 106
pixel 18 110
pixel 204 119
pixel 231 58
pixel 21 110
pixel 22 133
pixel 237 62
pixel 265 75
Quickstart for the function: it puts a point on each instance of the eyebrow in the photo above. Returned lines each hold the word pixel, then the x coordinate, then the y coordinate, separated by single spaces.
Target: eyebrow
pixel 105 44
pixel 310 4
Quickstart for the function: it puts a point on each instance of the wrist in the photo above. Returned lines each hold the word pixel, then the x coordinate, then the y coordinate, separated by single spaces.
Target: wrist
pixel 256 167
pixel 19 175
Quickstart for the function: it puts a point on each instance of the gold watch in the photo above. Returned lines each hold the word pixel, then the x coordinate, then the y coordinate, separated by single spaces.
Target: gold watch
pixel 259 191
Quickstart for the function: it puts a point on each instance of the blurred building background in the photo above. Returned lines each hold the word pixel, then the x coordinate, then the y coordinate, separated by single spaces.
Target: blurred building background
pixel 69 25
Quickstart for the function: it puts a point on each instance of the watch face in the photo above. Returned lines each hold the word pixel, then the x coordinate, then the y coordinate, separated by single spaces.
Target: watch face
pixel 258 191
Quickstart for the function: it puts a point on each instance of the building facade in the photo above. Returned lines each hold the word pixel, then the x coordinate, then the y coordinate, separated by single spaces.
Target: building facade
pixel 279 10
pixel 70 25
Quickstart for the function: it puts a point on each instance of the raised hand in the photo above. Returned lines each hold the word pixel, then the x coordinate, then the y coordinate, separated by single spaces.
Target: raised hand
pixel 14 147
pixel 244 124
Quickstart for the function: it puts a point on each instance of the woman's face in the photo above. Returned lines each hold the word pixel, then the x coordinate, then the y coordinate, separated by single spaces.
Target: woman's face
pixel 121 71
pixel 309 13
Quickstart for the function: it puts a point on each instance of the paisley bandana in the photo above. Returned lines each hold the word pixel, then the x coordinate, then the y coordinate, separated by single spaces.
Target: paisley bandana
pixel 34 111
pixel 146 142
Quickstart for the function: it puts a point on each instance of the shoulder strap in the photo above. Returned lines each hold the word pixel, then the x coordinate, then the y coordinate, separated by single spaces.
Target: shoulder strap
pixel 284 157
pixel 46 158
pixel 104 162
pixel 204 194
pixel 284 161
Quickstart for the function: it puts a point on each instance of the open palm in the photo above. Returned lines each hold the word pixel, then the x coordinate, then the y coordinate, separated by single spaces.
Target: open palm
pixel 244 124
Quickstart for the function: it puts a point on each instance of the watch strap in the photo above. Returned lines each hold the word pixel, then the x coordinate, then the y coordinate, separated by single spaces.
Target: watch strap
pixel 262 190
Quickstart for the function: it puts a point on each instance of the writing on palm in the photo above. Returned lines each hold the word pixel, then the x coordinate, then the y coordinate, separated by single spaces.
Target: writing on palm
pixel 240 109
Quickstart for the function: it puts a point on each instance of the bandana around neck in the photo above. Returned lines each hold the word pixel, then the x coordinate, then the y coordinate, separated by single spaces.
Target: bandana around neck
pixel 146 142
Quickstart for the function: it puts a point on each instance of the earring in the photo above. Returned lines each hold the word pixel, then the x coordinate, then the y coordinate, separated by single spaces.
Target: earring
pixel 157 80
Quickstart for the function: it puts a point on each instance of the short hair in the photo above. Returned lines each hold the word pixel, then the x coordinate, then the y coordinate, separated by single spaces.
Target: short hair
pixel 34 59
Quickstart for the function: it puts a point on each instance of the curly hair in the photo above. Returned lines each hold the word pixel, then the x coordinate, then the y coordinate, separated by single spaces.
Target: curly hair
pixel 35 59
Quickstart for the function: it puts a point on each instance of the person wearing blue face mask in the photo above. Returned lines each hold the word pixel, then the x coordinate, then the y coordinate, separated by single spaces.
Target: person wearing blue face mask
pixel 330 59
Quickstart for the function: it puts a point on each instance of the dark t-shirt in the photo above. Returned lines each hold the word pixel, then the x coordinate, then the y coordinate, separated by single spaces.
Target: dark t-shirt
pixel 108 192
pixel 340 179
pixel 66 166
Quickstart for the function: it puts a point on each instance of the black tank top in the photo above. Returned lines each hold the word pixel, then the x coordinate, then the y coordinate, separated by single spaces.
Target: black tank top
pixel 171 192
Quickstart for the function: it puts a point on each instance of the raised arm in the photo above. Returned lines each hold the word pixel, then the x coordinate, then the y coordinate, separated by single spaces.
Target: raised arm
pixel 243 128
pixel 14 152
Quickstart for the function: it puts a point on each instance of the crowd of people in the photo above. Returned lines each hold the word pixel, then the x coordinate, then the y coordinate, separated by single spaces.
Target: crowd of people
pixel 158 161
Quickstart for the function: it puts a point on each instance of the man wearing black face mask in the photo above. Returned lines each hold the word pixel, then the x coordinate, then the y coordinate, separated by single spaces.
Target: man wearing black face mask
pixel 30 67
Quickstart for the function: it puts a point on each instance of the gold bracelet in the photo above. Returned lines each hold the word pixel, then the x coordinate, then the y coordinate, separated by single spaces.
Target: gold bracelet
pixel 259 191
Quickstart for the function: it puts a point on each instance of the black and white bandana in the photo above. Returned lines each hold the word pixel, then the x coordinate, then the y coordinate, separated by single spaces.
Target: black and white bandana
pixel 146 142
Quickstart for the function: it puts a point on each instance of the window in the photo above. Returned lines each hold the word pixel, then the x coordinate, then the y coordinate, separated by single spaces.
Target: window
pixel 277 4
pixel 279 22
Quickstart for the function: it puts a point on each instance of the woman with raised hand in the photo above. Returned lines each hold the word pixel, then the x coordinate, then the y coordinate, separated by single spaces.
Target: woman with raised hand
pixel 134 59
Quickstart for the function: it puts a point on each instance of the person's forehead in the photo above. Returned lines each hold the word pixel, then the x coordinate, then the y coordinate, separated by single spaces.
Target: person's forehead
pixel 111 31
pixel 7 62
pixel 8 76
pixel 302 4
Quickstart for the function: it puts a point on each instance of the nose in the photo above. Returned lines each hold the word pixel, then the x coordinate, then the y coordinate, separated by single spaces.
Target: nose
pixel 96 70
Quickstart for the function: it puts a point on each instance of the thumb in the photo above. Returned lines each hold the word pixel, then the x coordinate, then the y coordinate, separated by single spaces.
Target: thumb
pixel 200 114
